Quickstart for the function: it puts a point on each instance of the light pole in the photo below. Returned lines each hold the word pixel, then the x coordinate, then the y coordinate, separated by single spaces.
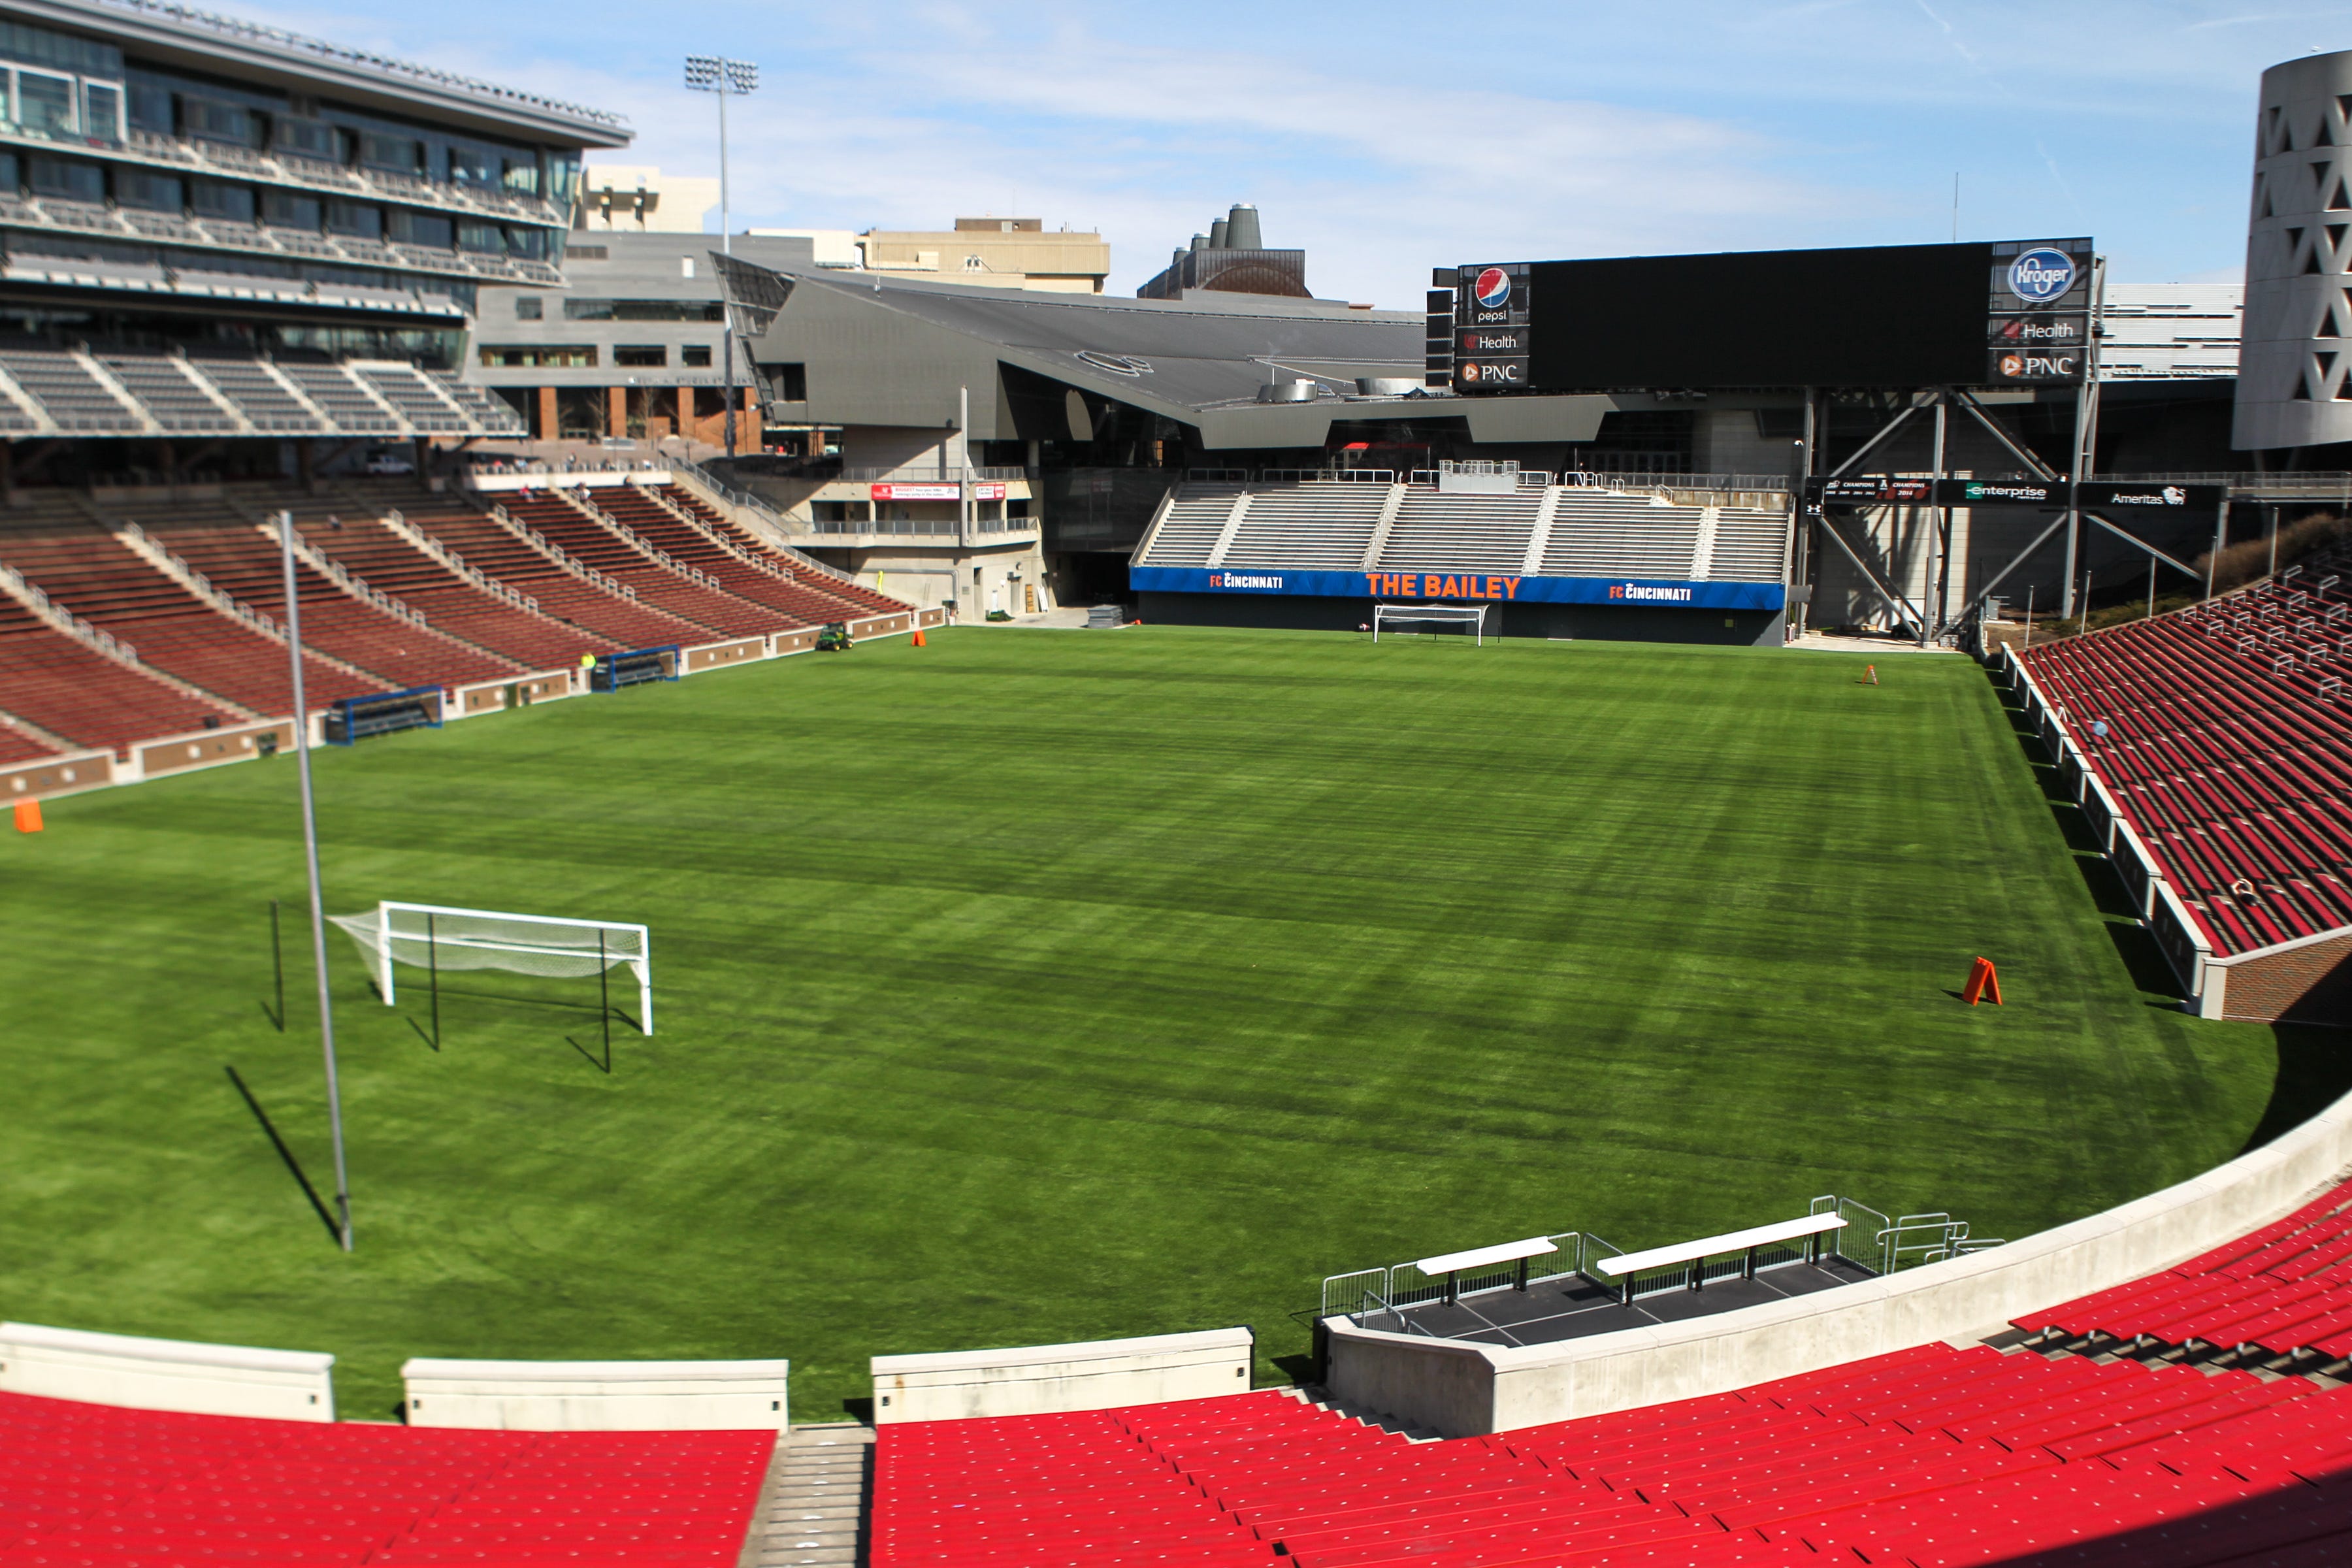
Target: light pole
pixel 715 73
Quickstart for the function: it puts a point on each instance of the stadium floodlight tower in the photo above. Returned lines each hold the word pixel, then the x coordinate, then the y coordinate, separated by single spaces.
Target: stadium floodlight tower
pixel 715 73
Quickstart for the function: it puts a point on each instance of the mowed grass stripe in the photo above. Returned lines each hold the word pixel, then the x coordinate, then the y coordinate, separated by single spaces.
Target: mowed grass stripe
pixel 1046 985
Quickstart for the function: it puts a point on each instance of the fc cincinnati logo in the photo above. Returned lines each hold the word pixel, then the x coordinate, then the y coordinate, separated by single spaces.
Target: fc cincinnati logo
pixel 1493 291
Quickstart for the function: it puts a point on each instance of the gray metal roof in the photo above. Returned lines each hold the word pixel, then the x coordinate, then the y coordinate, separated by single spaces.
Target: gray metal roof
pixel 1181 358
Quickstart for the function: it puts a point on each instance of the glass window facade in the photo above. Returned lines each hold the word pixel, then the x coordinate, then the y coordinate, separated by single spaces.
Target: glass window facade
pixel 45 102
pixel 219 199
pixel 286 209
pixel 67 177
pixel 155 193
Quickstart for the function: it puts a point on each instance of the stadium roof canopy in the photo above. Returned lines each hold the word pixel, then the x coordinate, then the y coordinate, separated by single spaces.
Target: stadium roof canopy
pixel 885 351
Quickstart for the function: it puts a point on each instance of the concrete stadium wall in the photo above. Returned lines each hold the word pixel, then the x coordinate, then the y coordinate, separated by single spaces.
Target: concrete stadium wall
pixel 67 773
pixel 1460 1389
pixel 2307 981
pixel 1597 623
pixel 713 656
pixel 599 1395
pixel 1036 1380
pixel 166 1374
pixel 210 748
pixel 514 691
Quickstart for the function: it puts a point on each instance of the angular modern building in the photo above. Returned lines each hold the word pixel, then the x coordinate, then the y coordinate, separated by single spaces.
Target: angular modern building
pixel 2291 388
pixel 231 247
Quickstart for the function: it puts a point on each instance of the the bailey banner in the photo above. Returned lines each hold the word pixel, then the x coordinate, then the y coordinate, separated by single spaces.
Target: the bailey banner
pixel 1461 586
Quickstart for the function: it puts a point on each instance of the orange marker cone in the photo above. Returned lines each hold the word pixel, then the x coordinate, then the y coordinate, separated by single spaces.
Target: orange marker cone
pixel 1982 983
pixel 1870 675
pixel 918 638
pixel 28 817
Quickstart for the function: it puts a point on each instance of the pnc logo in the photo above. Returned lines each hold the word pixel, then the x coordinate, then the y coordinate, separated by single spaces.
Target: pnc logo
pixel 1493 290
pixel 2040 275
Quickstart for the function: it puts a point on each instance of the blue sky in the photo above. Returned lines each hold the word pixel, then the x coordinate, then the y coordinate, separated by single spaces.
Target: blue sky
pixel 1386 137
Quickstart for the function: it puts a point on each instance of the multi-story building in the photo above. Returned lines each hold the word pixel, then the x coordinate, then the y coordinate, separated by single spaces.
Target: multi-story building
pixel 633 345
pixel 243 245
pixel 1000 252
pixel 631 198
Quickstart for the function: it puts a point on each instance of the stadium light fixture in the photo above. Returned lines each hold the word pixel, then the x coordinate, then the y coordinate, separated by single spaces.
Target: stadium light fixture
pixel 727 78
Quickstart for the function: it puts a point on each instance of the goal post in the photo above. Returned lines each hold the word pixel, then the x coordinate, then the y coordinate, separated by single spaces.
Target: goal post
pixel 438 936
pixel 1469 618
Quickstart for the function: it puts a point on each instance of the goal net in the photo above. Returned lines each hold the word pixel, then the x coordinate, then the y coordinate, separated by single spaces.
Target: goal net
pixel 436 937
pixel 1468 620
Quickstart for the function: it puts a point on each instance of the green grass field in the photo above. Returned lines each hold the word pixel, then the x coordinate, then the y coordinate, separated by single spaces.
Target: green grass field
pixel 1052 985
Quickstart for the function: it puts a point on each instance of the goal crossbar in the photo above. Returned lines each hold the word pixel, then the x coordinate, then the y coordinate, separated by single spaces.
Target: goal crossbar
pixel 445 936
pixel 1472 617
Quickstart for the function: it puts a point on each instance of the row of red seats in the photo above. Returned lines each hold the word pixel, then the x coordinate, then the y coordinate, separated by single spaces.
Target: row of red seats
pixel 2287 1289
pixel 499 555
pixel 246 563
pixel 654 523
pixel 95 1487
pixel 371 551
pixel 103 581
pixel 584 537
pixel 2231 773
pixel 857 598
pixel 50 679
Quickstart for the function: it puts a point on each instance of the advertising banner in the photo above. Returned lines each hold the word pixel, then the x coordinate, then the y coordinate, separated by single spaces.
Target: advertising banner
pixel 914 492
pixel 1491 338
pixel 2101 495
pixel 2109 495
pixel 1461 587
pixel 2001 493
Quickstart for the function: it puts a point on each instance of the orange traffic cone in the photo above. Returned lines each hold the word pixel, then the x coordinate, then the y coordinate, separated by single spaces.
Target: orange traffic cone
pixel 918 638
pixel 1870 675
pixel 28 817
pixel 1982 983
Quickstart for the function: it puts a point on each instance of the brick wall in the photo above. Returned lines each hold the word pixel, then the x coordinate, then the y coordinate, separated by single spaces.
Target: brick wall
pixel 2306 984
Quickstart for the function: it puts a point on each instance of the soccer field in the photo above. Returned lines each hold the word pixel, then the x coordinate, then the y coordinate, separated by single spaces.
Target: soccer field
pixel 1052 986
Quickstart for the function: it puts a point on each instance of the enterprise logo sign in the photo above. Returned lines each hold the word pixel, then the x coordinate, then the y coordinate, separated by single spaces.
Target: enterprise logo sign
pixel 2040 275
pixel 1642 592
pixel 1244 580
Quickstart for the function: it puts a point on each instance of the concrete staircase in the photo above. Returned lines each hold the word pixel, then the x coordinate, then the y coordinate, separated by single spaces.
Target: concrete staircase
pixel 819 1494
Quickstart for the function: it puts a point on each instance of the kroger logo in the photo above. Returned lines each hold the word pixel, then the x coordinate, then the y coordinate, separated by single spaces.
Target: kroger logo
pixel 1493 290
pixel 2040 276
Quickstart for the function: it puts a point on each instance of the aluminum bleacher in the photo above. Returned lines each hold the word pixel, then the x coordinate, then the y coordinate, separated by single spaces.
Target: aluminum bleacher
pixel 99 1487
pixel 1564 531
pixel 2228 752
pixel 76 401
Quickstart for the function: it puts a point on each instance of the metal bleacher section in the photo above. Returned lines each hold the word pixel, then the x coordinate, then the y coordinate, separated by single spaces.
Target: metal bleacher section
pixel 1538 529
pixel 124 621
pixel 50 390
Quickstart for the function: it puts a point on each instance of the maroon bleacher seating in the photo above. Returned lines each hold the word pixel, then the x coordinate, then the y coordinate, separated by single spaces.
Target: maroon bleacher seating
pixel 95 1487
pixel 583 536
pixel 242 560
pixel 103 581
pixel 865 601
pixel 49 679
pixel 371 551
pixel 499 555
pixel 15 746
pixel 773 585
pixel 2229 764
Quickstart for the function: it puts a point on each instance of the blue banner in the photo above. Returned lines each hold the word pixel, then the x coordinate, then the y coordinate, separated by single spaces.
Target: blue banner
pixel 1465 587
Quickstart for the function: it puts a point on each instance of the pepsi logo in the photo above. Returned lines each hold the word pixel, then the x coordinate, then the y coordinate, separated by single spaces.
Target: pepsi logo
pixel 2040 275
pixel 1493 290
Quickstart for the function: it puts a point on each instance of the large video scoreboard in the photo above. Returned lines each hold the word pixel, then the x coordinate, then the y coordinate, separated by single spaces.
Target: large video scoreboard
pixel 2009 313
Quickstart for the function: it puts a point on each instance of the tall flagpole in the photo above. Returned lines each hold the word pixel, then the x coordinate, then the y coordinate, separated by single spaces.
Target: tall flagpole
pixel 311 856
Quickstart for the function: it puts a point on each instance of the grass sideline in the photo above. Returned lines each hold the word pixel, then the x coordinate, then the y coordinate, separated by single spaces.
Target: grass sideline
pixel 1052 985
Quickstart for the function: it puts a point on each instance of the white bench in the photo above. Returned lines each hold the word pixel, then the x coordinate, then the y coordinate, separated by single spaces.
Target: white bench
pixel 1809 1229
pixel 1451 1264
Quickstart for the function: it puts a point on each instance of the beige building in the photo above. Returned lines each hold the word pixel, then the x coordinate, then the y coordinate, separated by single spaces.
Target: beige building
pixel 1003 252
pixel 631 198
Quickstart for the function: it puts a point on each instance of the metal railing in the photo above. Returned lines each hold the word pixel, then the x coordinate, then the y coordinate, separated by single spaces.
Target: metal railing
pixel 1401 1286
pixel 932 474
pixel 750 503
pixel 61 619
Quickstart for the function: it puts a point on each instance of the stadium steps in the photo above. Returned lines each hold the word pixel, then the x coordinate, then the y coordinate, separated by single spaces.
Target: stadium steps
pixel 806 571
pixel 164 557
pixel 744 566
pixel 62 682
pixel 814 1510
pixel 688 584
pixel 1438 532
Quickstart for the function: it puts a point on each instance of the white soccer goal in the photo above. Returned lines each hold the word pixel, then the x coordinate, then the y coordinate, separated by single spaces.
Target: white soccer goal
pixel 1471 619
pixel 436 937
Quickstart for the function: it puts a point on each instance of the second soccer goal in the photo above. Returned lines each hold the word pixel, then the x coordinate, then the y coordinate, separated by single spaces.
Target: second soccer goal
pixel 1469 619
